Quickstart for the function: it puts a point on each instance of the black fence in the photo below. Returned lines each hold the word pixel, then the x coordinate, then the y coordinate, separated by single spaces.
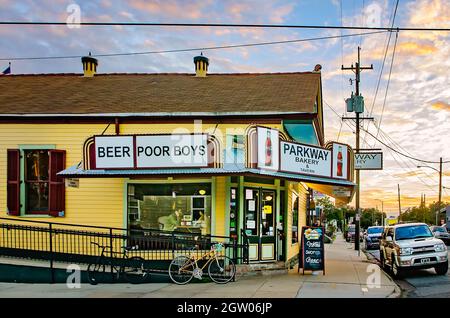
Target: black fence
pixel 73 243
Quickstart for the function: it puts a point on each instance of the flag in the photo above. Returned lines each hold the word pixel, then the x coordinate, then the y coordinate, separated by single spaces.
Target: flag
pixel 7 70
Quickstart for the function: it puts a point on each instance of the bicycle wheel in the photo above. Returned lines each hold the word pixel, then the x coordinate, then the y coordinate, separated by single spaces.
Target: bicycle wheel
pixel 221 269
pixel 96 273
pixel 135 271
pixel 181 270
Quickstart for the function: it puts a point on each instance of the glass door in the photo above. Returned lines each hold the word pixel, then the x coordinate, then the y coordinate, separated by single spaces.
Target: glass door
pixel 259 223
pixel 268 228
pixel 251 222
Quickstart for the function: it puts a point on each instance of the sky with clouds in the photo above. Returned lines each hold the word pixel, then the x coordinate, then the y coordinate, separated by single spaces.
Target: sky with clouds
pixel 415 115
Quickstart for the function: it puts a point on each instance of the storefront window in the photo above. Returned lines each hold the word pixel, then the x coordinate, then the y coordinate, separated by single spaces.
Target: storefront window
pixel 294 218
pixel 170 207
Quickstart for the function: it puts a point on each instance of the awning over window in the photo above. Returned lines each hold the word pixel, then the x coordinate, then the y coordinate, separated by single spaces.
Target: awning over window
pixel 342 190
pixel 342 193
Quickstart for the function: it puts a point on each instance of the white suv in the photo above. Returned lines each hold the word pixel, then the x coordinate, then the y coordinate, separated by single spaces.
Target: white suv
pixel 408 246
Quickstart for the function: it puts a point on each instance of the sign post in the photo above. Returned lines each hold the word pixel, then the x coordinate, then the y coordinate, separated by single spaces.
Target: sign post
pixel 313 250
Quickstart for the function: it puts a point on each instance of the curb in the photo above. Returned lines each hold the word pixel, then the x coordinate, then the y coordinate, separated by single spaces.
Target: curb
pixel 397 292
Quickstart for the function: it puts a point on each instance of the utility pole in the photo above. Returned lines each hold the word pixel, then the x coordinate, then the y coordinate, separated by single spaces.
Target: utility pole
pixel 382 212
pixel 440 187
pixel 424 206
pixel 399 205
pixel 440 190
pixel 357 69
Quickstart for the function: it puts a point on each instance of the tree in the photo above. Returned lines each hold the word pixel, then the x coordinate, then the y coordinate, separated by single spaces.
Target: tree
pixel 422 213
pixel 371 217
pixel 329 210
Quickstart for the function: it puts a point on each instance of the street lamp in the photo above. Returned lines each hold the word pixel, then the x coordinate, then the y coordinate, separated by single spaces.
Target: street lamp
pixel 382 212
pixel 440 185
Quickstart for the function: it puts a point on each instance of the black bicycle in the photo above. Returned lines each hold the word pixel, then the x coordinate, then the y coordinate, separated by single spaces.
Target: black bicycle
pixel 132 268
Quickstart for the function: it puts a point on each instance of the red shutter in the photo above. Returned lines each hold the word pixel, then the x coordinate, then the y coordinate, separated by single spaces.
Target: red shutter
pixel 57 189
pixel 13 182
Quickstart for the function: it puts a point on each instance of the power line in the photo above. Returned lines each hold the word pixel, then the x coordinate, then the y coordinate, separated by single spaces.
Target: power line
pixel 193 49
pixel 400 162
pixel 388 82
pixel 227 25
pixel 407 168
pixel 362 20
pixel 342 54
pixel 392 141
pixel 383 143
pixel 388 41
pixel 400 153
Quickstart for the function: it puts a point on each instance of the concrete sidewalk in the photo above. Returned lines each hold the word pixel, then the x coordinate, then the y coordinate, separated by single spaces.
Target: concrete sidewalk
pixel 346 276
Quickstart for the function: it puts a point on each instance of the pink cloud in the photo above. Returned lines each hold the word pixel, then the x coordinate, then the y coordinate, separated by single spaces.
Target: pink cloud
pixel 173 9
pixel 279 15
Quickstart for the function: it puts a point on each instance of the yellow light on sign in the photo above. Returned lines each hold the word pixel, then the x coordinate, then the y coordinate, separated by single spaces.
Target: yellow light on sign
pixel 202 192
pixel 267 209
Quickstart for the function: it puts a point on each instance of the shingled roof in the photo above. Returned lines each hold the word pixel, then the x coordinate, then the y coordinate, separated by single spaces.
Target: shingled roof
pixel 72 94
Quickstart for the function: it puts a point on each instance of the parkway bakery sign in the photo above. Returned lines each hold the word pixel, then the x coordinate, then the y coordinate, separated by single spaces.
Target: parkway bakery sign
pixel 298 158
pixel 151 151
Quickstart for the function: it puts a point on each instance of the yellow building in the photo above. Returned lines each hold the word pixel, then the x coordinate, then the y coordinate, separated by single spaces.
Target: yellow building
pixel 221 156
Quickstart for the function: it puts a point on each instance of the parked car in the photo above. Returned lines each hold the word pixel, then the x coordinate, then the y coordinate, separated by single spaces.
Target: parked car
pixel 351 231
pixel 440 233
pixel 372 237
pixel 412 246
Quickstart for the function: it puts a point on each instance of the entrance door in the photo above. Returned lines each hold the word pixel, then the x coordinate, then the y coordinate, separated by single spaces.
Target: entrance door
pixel 259 223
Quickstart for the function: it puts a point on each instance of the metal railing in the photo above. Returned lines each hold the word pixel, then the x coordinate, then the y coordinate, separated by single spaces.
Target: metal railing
pixel 72 242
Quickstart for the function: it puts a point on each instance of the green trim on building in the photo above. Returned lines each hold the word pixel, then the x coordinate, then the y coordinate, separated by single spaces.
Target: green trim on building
pixel 240 210
pixel 125 203
pixel 277 216
pixel 227 205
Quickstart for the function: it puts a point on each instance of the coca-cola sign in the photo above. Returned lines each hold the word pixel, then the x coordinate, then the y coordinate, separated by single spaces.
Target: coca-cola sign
pixel 340 160
pixel 268 148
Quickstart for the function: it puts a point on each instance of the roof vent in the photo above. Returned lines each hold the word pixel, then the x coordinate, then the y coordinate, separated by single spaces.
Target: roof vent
pixel 89 65
pixel 201 65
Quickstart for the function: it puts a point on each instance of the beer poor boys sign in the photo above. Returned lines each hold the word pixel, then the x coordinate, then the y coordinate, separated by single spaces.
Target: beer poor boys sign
pixel 151 151
pixel 299 158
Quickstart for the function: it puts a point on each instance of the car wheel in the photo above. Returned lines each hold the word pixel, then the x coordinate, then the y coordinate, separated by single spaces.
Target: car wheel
pixel 382 260
pixel 396 271
pixel 441 269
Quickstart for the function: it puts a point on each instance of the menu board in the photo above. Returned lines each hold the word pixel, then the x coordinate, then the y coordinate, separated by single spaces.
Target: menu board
pixel 313 253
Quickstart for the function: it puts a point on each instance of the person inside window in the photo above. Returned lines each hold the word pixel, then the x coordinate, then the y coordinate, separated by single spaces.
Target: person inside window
pixel 171 221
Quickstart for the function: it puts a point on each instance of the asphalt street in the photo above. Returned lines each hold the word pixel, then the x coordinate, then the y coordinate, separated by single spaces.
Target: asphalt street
pixel 421 283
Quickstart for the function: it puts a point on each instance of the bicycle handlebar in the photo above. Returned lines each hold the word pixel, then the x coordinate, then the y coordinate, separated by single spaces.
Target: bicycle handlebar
pixel 128 248
pixel 100 246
